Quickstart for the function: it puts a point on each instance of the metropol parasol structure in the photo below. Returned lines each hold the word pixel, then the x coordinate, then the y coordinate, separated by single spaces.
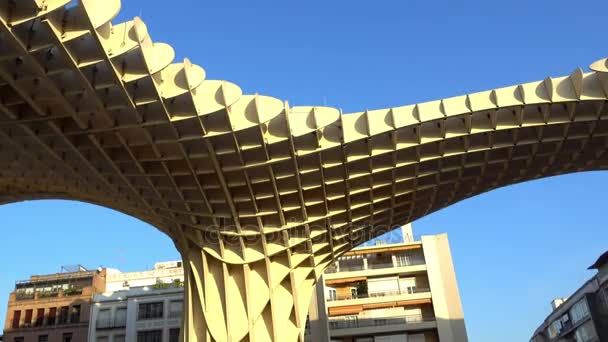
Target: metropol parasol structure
pixel 259 197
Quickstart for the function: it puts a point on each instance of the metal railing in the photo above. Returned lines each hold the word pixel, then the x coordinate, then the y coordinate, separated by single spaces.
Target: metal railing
pixel 110 324
pixel 409 290
pixel 175 314
pixel 375 266
pixel 406 262
pixel 351 268
pixel 25 295
pixel 375 294
pixel 378 322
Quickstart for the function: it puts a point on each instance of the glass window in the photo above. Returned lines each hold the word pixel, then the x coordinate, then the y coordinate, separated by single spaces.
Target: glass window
pixel 67 337
pixel 579 311
pixel 75 314
pixel 103 319
pixel 40 317
pixel 63 314
pixel 174 335
pixel 19 339
pixel 555 328
pixel 102 339
pixel 150 336
pixel 585 332
pixel 16 319
pixel 175 308
pixel 150 311
pixel 332 294
pixel 52 314
pixel 119 338
pixel 43 338
pixel 28 317
pixel 121 318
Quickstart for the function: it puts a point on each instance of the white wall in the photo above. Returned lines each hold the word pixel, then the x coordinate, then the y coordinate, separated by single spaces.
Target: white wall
pixel 131 300
pixel 116 281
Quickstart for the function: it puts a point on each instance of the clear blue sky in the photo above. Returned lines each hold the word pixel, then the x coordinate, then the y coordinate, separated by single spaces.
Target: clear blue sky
pixel 514 249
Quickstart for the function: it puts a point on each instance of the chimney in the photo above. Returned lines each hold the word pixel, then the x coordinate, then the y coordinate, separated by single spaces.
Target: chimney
pixel 407 232
pixel 557 302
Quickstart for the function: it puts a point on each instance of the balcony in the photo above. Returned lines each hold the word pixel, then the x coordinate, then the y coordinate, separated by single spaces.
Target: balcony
pixel 47 294
pixel 24 296
pixel 371 265
pixel 378 322
pixel 104 324
pixel 378 266
pixel 73 291
pixel 409 290
pixel 357 326
pixel 376 294
pixel 411 262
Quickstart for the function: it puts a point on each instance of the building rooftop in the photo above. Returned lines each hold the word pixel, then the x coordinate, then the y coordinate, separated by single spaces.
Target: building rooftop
pixel 601 261
pixel 64 274
pixel 589 286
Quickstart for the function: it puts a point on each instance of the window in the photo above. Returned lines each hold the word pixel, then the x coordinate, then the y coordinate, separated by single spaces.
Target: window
pixel 63 314
pixel 40 317
pixel 555 328
pixel 19 339
pixel 331 294
pixel 102 339
pixel 175 308
pixel 120 320
pixel 103 319
pixel 16 320
pixel 67 337
pixel 579 311
pixel 150 311
pixel 150 336
pixel 52 315
pixel 43 338
pixel 408 259
pixel 174 335
pixel 75 314
pixel 585 332
pixel 28 317
pixel 119 338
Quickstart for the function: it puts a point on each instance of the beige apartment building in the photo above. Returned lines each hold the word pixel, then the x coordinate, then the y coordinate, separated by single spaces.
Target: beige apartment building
pixel 54 307
pixel 403 292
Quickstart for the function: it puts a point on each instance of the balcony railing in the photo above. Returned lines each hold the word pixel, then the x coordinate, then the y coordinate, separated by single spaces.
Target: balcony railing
pixel 378 322
pixel 409 290
pixel 47 294
pixel 410 262
pixel 110 324
pixel 351 268
pixel 24 295
pixel 375 294
pixel 73 291
pixel 175 314
pixel 376 266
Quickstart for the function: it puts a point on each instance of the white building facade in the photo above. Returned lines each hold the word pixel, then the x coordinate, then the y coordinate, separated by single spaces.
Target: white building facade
pixel 399 292
pixel 142 306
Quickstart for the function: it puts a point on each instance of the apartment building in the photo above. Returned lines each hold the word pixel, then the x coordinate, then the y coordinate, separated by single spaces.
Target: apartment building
pixel 582 317
pixel 390 292
pixel 140 306
pixel 54 307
